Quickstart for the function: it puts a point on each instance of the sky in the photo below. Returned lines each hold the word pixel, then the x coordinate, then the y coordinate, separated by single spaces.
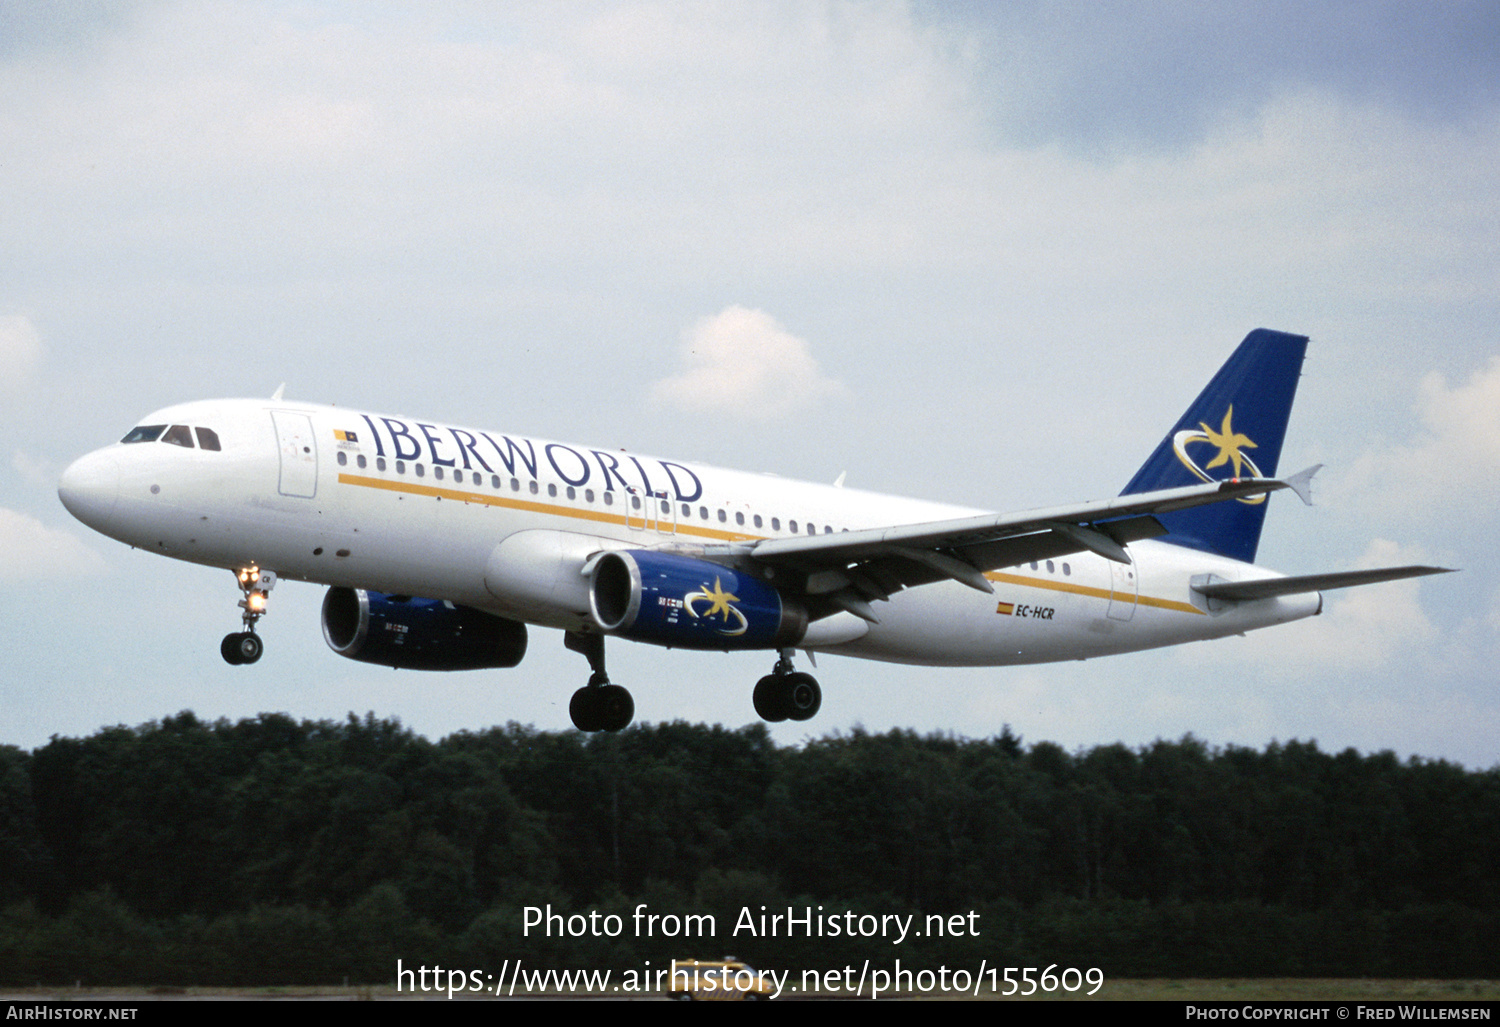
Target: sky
pixel 983 254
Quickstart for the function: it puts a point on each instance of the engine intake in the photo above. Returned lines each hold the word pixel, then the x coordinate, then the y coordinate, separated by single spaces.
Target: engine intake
pixel 684 602
pixel 418 634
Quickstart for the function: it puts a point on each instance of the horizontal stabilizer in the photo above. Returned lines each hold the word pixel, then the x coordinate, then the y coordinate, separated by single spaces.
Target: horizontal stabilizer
pixel 1266 588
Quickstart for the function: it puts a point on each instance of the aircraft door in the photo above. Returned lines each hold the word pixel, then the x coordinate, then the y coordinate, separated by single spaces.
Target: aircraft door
pixel 1123 588
pixel 299 454
pixel 648 512
pixel 666 515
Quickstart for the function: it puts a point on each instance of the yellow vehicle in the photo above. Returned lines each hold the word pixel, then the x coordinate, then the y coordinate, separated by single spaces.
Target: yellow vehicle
pixel 721 980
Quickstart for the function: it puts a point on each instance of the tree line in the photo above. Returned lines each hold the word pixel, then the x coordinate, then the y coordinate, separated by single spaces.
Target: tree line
pixel 278 851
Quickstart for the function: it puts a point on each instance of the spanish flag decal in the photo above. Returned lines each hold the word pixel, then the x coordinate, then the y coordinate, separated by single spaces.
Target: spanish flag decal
pixel 1006 609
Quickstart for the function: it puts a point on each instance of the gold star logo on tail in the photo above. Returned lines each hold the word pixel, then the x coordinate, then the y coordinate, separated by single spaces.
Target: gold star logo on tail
pixel 1228 442
pixel 1229 445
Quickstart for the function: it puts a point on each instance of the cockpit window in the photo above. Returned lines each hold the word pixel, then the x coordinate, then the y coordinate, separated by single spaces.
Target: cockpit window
pixel 179 435
pixel 145 433
pixel 207 438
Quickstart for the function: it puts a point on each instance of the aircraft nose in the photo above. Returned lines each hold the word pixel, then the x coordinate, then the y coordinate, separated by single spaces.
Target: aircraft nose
pixel 89 488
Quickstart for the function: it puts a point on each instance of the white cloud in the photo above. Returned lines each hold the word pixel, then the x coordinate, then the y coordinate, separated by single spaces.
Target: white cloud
pixel 33 469
pixel 1370 626
pixel 20 351
pixel 29 550
pixel 1454 465
pixel 742 362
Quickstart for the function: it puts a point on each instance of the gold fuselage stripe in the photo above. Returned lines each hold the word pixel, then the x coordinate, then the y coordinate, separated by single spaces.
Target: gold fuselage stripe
pixel 1087 590
pixel 601 517
pixel 641 523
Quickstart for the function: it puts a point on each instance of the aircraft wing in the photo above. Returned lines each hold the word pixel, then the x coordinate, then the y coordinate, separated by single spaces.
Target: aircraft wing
pixel 852 568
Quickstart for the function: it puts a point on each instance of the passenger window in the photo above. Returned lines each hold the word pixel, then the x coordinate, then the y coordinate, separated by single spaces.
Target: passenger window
pixel 145 433
pixel 418 469
pixel 739 518
pixel 380 463
pixel 208 439
pixel 179 435
pixel 437 472
pixel 343 458
pixel 552 491
pixel 792 526
pixel 571 492
pixel 533 488
pixel 722 517
pixel 757 520
pixel 775 523
pixel 359 460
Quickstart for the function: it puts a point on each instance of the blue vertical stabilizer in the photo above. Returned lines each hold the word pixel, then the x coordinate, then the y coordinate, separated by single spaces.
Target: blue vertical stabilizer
pixel 1233 429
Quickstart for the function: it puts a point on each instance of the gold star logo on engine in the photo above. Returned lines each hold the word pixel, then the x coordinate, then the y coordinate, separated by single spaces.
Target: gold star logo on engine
pixel 719 604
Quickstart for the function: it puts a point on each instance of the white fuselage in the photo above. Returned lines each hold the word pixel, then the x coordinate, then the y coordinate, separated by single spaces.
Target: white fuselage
pixel 494 521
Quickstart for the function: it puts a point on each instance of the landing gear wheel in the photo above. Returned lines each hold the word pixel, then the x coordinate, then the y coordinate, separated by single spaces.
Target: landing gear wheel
pixel 616 708
pixel 785 694
pixel 602 708
pixel 584 710
pixel 770 700
pixel 242 647
pixel 801 696
pixel 251 647
pixel 230 650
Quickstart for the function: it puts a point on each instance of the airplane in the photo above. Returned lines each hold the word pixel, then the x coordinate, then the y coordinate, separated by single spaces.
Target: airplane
pixel 441 545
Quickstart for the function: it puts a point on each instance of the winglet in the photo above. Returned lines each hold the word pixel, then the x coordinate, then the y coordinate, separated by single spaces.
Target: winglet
pixel 276 396
pixel 1301 483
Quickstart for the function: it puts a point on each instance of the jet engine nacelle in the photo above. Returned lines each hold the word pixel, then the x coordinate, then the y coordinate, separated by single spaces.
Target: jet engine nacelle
pixel 418 634
pixel 684 602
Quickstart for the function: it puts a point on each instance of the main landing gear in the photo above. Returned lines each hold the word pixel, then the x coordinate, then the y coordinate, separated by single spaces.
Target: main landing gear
pixel 246 646
pixel 785 694
pixel 598 705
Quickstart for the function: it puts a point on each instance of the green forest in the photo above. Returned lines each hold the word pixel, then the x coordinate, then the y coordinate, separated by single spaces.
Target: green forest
pixel 278 851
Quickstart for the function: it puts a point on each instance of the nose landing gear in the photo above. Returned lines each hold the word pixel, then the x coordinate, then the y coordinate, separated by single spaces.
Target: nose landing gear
pixel 785 694
pixel 245 646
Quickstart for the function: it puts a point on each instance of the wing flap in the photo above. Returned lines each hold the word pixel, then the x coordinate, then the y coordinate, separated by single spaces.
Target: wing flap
pixel 970 531
pixel 852 568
